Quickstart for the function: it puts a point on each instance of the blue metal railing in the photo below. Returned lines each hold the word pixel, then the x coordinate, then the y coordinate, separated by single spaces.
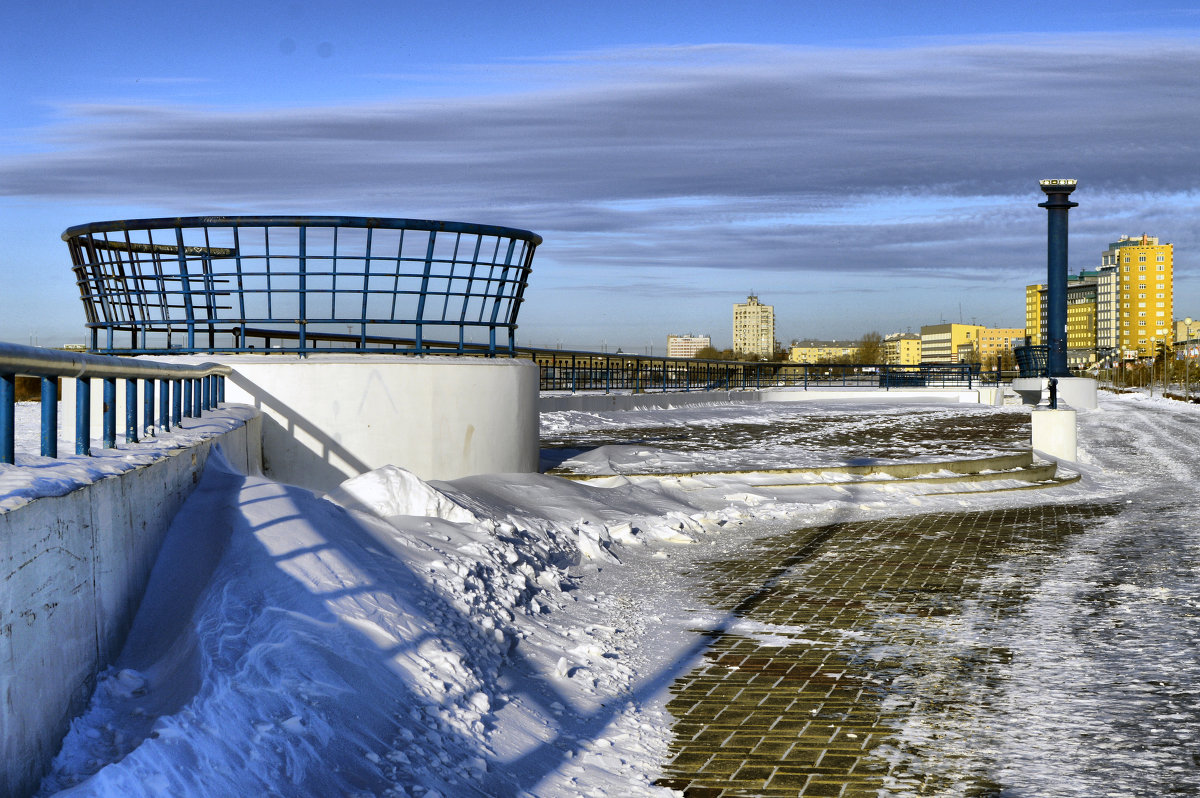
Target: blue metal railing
pixel 204 382
pixel 592 371
pixel 300 284
pixel 1032 361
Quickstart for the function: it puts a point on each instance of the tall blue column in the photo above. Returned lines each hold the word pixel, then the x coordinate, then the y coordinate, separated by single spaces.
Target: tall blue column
pixel 1057 204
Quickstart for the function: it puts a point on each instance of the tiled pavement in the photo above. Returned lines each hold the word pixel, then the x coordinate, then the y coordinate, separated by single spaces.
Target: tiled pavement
pixel 834 625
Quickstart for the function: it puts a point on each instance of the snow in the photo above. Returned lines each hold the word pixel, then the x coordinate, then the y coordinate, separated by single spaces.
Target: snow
pixel 515 634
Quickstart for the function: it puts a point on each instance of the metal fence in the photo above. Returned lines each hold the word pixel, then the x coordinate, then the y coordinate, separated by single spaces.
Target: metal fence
pixel 590 371
pixel 175 390
pixel 300 284
pixel 1032 361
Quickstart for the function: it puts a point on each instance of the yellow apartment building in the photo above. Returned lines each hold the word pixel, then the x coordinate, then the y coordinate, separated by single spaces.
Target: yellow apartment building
pixel 996 343
pixel 902 349
pixel 1145 292
pixel 1035 318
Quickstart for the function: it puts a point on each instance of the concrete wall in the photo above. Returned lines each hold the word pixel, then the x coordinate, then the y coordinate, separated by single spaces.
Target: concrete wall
pixel 330 417
pixel 73 571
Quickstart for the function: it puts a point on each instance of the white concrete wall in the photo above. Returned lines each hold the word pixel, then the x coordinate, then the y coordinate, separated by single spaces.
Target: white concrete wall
pixel 894 396
pixel 72 572
pixel 331 417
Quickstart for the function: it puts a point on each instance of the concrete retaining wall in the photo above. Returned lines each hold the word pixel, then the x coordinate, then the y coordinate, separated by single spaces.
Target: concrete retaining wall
pixel 73 570
pixel 596 402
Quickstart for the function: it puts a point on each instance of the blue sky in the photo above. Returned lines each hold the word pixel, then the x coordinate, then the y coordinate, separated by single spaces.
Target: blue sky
pixel 861 166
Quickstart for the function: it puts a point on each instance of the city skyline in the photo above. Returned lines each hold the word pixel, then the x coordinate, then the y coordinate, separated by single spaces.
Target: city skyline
pixel 675 158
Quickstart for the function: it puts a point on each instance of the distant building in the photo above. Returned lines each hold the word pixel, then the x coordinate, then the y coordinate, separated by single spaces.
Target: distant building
pixel 902 349
pixel 686 345
pixel 1185 331
pixel 822 351
pixel 996 345
pixel 1144 276
pixel 1035 314
pixel 754 328
pixel 943 343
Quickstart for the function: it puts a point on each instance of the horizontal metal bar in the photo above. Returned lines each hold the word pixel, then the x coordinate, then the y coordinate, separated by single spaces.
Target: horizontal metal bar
pixel 36 361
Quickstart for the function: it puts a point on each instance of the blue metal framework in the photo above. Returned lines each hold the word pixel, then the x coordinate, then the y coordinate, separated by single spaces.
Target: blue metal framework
pixel 205 380
pixel 300 284
pixel 1032 361
pixel 592 371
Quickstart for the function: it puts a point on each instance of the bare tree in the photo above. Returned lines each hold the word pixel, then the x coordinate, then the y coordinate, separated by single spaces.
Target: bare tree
pixel 870 349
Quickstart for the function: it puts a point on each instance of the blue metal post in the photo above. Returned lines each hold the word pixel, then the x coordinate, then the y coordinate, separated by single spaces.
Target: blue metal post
pixel 187 398
pixel 109 415
pixel 220 389
pixel 148 407
pixel 131 403
pixel 83 416
pixel 197 399
pixel 8 418
pixel 1057 205
pixel 206 392
pixel 164 406
pixel 177 402
pixel 49 417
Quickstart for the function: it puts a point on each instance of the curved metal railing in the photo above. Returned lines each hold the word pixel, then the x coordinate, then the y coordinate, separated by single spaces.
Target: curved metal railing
pixel 300 284
pixel 184 391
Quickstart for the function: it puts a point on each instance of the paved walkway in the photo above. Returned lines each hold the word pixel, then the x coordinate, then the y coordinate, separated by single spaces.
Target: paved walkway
pixel 835 646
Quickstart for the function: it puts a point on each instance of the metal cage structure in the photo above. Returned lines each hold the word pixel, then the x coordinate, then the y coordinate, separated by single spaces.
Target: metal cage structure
pixel 300 284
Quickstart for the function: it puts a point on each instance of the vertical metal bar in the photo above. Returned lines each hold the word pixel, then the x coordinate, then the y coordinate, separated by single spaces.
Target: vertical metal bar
pixel 177 402
pixel 49 417
pixel 8 418
pixel 303 278
pixel 164 406
pixel 131 403
pixel 187 398
pixel 424 289
pixel 220 389
pixel 186 286
pixel 197 399
pixel 206 392
pixel 109 413
pixel 148 407
pixel 83 416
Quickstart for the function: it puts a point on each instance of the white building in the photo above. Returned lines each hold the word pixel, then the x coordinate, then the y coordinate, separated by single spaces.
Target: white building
pixel 686 345
pixel 754 328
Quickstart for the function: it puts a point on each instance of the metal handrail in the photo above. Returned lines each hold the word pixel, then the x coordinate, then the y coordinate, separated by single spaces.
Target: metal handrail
pixel 579 371
pixel 185 391
pixel 300 284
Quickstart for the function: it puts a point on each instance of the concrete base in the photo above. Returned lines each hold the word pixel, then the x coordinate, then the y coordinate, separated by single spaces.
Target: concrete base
pixel 1054 433
pixel 1077 392
pixel 327 418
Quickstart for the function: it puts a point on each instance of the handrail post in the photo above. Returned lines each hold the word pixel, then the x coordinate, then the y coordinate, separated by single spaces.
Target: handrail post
pixel 131 403
pixel 177 402
pixel 197 398
pixel 8 418
pixel 220 389
pixel 148 407
pixel 187 398
pixel 49 417
pixel 83 416
pixel 164 406
pixel 109 413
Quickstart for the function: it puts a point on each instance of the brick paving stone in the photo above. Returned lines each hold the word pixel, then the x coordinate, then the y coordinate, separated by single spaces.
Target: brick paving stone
pixel 801 714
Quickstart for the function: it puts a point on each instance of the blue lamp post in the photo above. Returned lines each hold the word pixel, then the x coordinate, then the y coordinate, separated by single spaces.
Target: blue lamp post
pixel 1057 204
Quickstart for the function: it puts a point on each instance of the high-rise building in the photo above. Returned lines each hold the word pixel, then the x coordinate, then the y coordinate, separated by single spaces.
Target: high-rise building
pixel 1145 293
pixel 686 345
pixel 754 328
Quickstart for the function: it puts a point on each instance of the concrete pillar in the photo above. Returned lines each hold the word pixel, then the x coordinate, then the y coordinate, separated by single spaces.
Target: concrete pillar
pixel 1054 433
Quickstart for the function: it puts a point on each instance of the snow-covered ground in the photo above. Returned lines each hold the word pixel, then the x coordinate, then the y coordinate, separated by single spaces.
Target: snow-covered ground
pixel 515 634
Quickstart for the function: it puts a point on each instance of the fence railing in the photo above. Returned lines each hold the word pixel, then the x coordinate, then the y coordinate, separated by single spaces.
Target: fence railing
pixel 1032 361
pixel 300 284
pixel 590 371
pixel 175 390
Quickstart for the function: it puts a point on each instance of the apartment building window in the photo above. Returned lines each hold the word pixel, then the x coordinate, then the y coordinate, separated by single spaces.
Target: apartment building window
pixel 1141 324
pixel 1141 258
pixel 1127 261
pixel 1141 268
pixel 1141 285
pixel 1160 258
pixel 1162 267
